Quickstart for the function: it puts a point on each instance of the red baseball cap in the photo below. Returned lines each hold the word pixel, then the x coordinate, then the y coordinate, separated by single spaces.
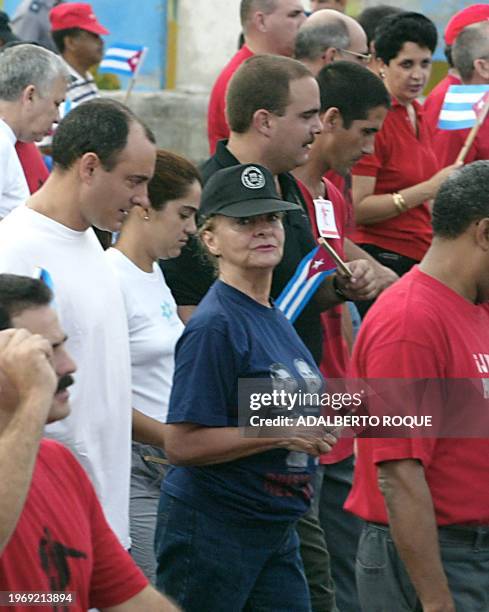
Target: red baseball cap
pixel 467 16
pixel 75 15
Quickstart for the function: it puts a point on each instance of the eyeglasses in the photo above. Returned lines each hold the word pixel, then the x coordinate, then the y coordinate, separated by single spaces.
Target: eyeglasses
pixel 363 57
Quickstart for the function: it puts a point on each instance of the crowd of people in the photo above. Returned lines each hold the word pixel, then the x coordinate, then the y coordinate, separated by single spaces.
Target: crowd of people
pixel 140 294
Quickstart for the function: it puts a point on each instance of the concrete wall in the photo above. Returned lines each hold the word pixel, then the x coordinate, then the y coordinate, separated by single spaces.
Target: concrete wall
pixel 178 119
pixel 207 37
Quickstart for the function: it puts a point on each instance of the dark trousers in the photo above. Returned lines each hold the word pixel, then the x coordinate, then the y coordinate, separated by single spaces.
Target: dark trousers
pixel 317 566
pixel 341 529
pixel 382 578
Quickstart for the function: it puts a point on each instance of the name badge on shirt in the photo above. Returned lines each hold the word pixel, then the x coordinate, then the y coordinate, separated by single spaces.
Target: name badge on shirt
pixel 325 218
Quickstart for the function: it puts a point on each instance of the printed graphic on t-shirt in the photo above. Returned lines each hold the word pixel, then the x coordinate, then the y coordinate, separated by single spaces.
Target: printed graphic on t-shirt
pixel 54 558
pixel 311 378
pixel 166 310
pixel 282 378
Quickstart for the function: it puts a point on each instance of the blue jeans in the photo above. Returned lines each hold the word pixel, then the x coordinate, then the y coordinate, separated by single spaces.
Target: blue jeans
pixel 211 565
pixel 382 578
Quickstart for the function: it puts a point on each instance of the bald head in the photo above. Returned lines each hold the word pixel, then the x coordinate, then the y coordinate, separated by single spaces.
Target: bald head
pixel 328 35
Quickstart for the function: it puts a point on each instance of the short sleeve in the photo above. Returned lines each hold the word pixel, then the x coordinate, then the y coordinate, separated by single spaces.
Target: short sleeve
pixel 205 394
pixel 188 276
pixel 397 449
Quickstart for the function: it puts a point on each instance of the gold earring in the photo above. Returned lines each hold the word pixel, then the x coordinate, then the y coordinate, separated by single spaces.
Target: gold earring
pixel 146 217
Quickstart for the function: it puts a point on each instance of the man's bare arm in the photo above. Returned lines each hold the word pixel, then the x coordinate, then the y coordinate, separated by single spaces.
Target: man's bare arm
pixel 414 531
pixel 27 386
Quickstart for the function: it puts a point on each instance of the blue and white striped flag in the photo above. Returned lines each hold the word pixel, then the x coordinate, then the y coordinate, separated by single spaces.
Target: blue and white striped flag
pixel 309 274
pixel 123 59
pixel 460 107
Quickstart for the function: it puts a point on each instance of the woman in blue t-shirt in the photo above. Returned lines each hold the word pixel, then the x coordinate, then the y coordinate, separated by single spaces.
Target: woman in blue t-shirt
pixel 226 538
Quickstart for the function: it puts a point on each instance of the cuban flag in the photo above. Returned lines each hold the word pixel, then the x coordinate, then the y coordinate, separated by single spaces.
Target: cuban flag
pixel 309 274
pixel 464 106
pixel 123 59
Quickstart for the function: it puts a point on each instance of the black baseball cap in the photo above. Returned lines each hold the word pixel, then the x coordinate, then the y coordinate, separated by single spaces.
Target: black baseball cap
pixel 6 33
pixel 244 190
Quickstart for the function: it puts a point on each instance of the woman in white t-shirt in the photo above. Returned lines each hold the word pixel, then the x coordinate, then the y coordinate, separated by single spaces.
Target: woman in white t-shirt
pixel 159 232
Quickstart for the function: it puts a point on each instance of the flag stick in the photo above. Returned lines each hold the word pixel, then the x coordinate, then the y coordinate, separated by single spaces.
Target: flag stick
pixel 472 134
pixel 135 75
pixel 339 262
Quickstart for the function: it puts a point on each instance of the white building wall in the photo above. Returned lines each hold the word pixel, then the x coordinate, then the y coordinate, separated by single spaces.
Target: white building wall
pixel 208 37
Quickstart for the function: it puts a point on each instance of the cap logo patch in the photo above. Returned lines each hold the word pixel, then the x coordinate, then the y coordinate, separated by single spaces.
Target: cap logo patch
pixel 253 178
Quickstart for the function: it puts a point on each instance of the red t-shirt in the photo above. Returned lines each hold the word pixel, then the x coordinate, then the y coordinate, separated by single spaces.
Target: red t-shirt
pixel 400 160
pixel 419 328
pixel 335 358
pixel 62 541
pixel 434 101
pixel 217 126
pixel 32 163
pixel 448 143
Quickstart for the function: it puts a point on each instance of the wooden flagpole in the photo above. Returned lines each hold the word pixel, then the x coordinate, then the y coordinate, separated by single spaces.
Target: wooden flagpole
pixel 473 132
pixel 342 266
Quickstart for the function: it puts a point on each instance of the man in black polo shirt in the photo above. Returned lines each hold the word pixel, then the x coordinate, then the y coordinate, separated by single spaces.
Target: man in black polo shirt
pixel 272 108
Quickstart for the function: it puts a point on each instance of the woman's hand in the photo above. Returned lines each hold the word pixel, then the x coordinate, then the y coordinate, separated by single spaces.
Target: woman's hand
pixel 310 444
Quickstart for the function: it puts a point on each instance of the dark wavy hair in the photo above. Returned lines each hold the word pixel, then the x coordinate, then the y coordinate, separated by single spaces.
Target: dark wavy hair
pixel 396 30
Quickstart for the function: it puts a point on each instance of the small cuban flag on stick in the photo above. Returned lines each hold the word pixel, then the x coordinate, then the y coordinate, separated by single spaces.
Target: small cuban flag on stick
pixel 464 106
pixel 126 60
pixel 309 274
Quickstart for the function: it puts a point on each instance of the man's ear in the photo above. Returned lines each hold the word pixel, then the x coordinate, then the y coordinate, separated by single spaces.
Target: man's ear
pixel 482 234
pixel 481 69
pixel 69 42
pixel 258 19
pixel 331 119
pixel 263 121
pixel 29 93
pixel 89 163
pixel 329 56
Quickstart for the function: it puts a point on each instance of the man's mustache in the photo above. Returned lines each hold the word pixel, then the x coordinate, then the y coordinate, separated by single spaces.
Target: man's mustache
pixel 64 382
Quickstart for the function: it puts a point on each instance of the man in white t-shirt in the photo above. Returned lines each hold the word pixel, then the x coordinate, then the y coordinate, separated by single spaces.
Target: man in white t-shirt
pixel 33 84
pixel 103 159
